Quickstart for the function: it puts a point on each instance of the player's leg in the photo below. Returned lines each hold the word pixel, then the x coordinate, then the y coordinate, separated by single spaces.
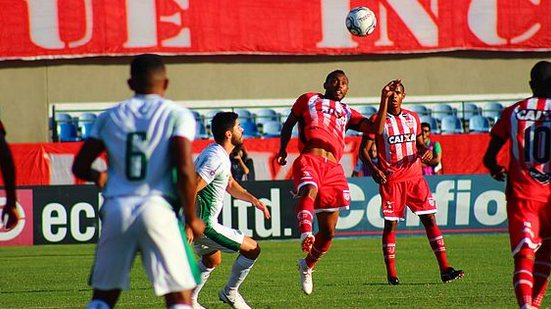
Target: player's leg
pixel 208 262
pixel 178 300
pixel 389 251
pixel 305 215
pixel 542 269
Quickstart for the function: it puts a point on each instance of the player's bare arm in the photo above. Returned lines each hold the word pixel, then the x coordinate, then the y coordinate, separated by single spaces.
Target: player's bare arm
pixel 497 171
pixel 377 175
pixel 237 191
pixel 286 132
pixel 9 215
pixel 183 161
pixel 82 166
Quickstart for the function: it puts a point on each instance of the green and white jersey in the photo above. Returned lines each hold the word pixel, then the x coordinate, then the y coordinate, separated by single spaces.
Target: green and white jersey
pixel 137 134
pixel 213 165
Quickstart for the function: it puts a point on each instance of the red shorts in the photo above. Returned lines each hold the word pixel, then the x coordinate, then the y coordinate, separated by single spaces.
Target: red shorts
pixel 415 193
pixel 327 176
pixel 529 223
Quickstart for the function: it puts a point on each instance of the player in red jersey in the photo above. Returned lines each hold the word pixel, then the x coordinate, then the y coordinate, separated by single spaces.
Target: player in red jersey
pixel 400 150
pixel 319 178
pixel 527 126
pixel 9 214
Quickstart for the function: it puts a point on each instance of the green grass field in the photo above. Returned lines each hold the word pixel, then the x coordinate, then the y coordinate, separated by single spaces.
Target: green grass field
pixel 351 275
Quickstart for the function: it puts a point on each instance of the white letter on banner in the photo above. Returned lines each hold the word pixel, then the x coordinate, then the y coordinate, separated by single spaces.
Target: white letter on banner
pixel 183 38
pixel 333 30
pixel 481 208
pixel 44 24
pixel 354 216
pixel 242 223
pixel 88 210
pixel 141 23
pixel 274 206
pixel 482 20
pixel 49 219
pixel 418 21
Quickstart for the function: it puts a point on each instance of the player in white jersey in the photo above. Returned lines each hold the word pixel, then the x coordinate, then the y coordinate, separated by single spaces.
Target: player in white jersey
pixel 214 178
pixel 146 138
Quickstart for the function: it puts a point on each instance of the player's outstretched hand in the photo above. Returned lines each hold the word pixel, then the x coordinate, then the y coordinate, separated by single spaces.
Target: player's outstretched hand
pixel 261 206
pixel 426 156
pixel 282 157
pixel 378 176
pixel 498 173
pixel 389 88
pixel 10 217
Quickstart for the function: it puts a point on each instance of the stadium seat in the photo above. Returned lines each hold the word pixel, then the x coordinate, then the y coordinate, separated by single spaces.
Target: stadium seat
pixel 200 130
pixel 266 115
pixel 245 115
pixel 442 110
pixel 432 122
pixel 295 133
pixel 470 110
pixel 249 129
pixel 271 129
pixel 419 109
pixel 479 124
pixel 66 128
pixel 451 125
pixel 85 122
pixel 366 110
pixel 492 110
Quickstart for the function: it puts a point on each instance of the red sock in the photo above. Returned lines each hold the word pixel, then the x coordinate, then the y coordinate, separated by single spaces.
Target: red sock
pixel 389 253
pixel 542 268
pixel 305 214
pixel 321 245
pixel 436 241
pixel 523 281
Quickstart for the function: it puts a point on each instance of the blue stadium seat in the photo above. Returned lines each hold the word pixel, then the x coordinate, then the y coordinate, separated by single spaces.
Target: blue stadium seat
pixel 419 109
pixel 492 110
pixel 442 110
pixel 479 124
pixel 200 130
pixel 249 129
pixel 245 115
pixel 295 133
pixel 66 128
pixel 271 129
pixel 451 125
pixel 85 122
pixel 470 110
pixel 366 110
pixel 266 115
pixel 432 122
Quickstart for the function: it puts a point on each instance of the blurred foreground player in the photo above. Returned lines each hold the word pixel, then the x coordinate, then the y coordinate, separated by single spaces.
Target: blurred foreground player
pixel 527 126
pixel 146 138
pixel 9 214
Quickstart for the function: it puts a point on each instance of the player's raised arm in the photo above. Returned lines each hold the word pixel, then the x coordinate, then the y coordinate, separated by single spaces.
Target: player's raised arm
pixel 377 127
pixel 286 132
pixel 489 160
pixel 237 191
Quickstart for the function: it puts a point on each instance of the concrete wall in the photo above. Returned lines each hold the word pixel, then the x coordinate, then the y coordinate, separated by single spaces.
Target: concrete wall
pixel 27 88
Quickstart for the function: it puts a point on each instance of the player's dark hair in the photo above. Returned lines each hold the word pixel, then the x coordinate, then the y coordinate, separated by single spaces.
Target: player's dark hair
pixel 540 79
pixel 333 74
pixel 221 123
pixel 425 125
pixel 144 67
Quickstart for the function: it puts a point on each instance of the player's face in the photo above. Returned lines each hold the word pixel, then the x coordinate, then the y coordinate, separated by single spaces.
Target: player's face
pixel 336 88
pixel 395 104
pixel 237 134
pixel 426 132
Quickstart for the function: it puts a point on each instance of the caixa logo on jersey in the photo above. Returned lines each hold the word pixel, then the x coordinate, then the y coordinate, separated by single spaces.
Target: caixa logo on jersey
pixel 66 215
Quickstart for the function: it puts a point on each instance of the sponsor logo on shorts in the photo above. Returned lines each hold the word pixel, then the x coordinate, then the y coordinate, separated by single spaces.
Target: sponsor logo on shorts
pixel 346 195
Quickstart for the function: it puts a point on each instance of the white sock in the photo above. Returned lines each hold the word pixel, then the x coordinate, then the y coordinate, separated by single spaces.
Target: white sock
pixel 97 304
pixel 240 269
pixel 180 306
pixel 205 274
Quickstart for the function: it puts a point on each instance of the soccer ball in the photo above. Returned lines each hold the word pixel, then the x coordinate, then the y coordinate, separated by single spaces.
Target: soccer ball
pixel 361 21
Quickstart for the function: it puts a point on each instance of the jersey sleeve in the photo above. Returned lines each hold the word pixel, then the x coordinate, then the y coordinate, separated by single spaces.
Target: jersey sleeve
pixel 208 165
pixel 500 128
pixel 185 124
pixel 437 148
pixel 372 119
pixel 95 132
pixel 355 119
pixel 419 132
pixel 300 105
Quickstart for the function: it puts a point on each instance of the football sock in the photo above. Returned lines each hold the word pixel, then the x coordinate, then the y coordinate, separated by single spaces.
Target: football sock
pixel 523 281
pixel 240 269
pixel 321 245
pixel 436 241
pixel 305 214
pixel 179 306
pixel 389 253
pixel 205 274
pixel 542 268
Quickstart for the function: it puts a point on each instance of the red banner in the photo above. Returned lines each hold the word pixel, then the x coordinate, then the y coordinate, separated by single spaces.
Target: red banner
pixel 35 29
pixel 50 164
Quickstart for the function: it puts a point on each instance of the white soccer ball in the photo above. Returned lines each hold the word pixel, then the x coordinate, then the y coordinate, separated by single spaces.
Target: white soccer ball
pixel 361 21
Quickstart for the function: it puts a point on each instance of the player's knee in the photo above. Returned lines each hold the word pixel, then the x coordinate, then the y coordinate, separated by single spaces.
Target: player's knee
pixel 252 250
pixel 428 220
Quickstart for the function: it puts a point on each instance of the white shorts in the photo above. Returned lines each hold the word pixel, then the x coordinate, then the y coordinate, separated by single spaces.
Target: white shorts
pixel 219 237
pixel 148 225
